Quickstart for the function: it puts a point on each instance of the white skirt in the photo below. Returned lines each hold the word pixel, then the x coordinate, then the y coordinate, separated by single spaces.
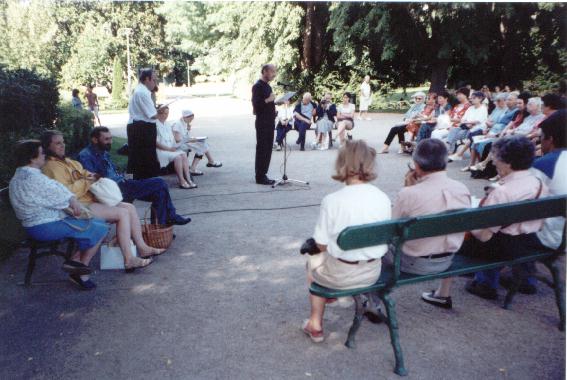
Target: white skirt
pixel 165 157
pixel 365 102
pixel 199 148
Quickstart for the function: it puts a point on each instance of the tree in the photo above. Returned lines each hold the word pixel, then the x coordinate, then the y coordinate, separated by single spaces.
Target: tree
pixel 117 81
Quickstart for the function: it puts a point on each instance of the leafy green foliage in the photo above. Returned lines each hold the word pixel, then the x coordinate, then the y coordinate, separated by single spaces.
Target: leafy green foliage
pixel 117 81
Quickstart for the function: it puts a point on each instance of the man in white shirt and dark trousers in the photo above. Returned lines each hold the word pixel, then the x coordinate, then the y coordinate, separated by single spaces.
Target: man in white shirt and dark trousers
pixel 141 129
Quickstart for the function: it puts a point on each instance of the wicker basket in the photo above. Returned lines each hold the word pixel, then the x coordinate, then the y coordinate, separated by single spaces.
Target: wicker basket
pixel 156 235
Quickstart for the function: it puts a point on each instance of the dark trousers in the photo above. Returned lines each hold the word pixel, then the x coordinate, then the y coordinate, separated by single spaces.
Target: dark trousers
pixel 425 131
pixel 142 155
pixel 281 132
pixel 398 130
pixel 264 141
pixel 501 247
pixel 302 128
pixel 153 190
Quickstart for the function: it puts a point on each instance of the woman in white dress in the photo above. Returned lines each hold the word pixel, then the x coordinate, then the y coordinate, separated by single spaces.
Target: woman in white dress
pixel 181 131
pixel 168 151
pixel 345 117
pixel 365 98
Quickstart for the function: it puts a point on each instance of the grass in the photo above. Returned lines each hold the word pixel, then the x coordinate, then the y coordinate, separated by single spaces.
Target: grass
pixel 390 102
pixel 120 161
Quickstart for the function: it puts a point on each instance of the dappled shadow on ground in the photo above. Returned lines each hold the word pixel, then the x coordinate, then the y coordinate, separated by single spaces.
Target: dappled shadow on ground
pixel 227 300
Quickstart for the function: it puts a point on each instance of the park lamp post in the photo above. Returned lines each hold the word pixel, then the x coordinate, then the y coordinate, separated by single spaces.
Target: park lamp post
pixel 127 32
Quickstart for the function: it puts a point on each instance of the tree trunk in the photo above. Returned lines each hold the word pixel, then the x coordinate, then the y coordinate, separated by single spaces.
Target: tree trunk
pixel 439 75
pixel 306 61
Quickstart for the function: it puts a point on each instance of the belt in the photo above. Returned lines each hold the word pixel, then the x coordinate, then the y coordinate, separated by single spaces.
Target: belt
pixel 437 255
pixel 356 262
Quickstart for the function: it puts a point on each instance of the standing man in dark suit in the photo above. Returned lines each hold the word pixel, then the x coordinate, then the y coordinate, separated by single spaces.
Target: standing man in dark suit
pixel 265 110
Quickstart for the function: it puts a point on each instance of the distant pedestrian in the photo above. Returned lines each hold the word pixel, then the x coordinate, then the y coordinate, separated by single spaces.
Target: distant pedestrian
pixel 75 100
pixel 92 101
pixel 365 98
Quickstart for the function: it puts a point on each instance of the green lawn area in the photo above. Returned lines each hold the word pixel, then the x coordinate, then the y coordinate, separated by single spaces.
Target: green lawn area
pixel 390 102
pixel 119 161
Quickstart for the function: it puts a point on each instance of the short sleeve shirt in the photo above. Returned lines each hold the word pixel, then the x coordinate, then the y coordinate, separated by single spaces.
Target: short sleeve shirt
pixel 352 205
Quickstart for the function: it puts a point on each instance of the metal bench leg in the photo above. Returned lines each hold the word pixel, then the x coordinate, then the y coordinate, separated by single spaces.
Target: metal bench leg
pixel 390 305
pixel 559 289
pixel 358 316
pixel 517 276
pixel 31 266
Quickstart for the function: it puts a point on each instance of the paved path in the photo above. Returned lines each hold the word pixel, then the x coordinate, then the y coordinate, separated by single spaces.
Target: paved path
pixel 227 300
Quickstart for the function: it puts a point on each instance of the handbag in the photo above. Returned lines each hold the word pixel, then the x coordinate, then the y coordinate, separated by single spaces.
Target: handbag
pixel 85 214
pixel 106 191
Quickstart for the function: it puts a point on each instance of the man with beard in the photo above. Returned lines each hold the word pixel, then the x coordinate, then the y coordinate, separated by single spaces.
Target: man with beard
pixel 96 159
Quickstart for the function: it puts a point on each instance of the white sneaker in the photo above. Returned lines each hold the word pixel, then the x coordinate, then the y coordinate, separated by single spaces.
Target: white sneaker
pixel 455 157
pixel 368 119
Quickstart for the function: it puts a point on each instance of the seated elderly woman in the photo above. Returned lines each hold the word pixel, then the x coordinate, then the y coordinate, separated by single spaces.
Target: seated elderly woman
pixel 438 119
pixel 181 131
pixel 472 124
pixel 530 122
pixel 326 117
pixel 345 117
pixel 456 114
pixel 39 202
pixel 431 255
pixel 494 118
pixel 333 267
pixel 400 129
pixel 169 151
pixel 513 157
pixel 78 180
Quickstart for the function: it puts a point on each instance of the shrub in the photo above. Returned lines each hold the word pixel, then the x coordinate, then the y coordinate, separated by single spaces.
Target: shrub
pixel 28 105
pixel 76 126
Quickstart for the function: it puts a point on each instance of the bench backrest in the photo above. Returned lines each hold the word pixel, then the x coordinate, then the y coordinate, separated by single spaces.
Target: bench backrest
pixel 372 234
pixel 400 230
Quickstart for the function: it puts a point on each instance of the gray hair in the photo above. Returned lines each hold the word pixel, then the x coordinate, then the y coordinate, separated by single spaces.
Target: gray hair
pixel 430 155
pixel 518 151
pixel 501 96
pixel 536 101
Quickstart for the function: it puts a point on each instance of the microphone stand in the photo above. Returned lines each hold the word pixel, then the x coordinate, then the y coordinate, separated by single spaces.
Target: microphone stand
pixel 285 180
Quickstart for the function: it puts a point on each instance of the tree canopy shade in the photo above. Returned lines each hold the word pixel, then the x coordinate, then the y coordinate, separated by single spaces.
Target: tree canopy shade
pixel 316 45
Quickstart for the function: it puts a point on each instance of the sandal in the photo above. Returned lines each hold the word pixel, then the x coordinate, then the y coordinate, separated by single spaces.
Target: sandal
pixel 188 186
pixel 196 173
pixel 214 165
pixel 157 252
pixel 138 263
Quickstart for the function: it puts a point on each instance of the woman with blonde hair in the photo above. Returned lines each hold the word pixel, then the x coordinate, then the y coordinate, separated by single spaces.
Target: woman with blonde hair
pixel 333 267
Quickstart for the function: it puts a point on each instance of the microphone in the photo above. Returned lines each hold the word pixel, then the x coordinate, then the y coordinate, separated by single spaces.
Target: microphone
pixel 283 84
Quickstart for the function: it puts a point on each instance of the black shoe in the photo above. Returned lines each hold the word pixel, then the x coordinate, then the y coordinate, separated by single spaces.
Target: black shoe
pixel 84 285
pixel 75 267
pixel 265 181
pixel 432 299
pixel 178 220
pixel 525 286
pixel 481 290
pixel 373 313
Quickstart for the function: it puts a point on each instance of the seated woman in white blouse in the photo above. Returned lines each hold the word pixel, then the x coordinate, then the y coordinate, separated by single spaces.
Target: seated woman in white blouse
pixel 168 151
pixel 181 131
pixel 345 117
pixel 39 203
pixel 333 267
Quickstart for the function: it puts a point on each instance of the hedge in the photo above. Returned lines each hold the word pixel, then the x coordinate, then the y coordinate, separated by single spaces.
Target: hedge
pixel 29 104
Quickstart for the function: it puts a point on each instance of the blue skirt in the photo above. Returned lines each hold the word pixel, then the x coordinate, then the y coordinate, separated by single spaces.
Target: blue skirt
pixel 87 233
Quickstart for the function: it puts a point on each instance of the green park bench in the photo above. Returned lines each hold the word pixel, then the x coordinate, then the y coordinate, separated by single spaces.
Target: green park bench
pixel 14 237
pixel 396 232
